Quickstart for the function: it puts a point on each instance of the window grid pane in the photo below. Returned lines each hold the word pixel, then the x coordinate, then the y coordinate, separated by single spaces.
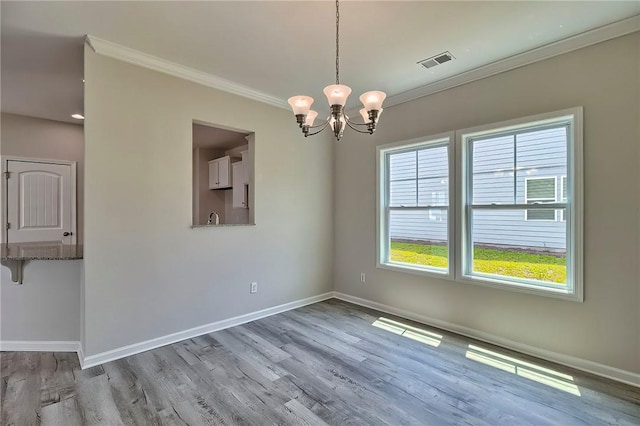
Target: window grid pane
pixel 501 165
pixel 419 181
pixel 503 247
pixel 419 237
pixel 519 169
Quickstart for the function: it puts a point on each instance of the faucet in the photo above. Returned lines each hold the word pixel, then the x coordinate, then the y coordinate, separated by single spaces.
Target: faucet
pixel 210 222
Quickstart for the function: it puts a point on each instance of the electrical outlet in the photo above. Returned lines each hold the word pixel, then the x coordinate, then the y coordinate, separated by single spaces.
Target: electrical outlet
pixel 254 287
pixel 363 277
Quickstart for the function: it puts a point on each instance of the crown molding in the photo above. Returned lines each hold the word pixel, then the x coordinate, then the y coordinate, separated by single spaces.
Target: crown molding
pixel 598 35
pixel 136 57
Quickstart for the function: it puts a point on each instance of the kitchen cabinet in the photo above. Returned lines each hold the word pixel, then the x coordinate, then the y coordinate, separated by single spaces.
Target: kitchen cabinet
pixel 240 190
pixel 220 173
pixel 245 162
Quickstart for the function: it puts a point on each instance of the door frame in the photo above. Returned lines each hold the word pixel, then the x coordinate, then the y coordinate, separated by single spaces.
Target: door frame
pixel 5 191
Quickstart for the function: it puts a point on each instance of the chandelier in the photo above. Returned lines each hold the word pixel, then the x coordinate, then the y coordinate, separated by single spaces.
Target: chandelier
pixel 337 97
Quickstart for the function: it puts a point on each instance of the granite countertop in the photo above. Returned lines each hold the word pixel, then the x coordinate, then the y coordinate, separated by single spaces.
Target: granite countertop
pixel 222 225
pixel 41 251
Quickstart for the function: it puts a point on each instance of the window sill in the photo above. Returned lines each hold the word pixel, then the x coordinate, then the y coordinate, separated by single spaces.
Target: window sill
pixel 409 269
pixel 485 282
pixel 521 287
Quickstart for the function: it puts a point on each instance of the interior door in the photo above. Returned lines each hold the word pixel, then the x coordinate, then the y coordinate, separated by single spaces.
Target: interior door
pixel 39 202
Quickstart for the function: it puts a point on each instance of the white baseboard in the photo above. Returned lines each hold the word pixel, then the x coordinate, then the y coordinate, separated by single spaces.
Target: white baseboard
pixel 38 346
pixel 136 348
pixel 602 370
pixel 80 355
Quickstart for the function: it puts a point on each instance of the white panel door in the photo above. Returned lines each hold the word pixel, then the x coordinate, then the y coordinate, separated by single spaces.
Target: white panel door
pixel 39 202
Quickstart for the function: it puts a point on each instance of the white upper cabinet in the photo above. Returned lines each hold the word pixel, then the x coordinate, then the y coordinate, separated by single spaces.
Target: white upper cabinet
pixel 245 163
pixel 220 173
pixel 239 187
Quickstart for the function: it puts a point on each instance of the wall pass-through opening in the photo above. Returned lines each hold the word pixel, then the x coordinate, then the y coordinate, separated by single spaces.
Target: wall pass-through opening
pixel 223 170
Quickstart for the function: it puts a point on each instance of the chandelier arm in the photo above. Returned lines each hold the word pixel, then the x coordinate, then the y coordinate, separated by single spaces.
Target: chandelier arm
pixel 324 126
pixel 320 125
pixel 357 130
pixel 355 124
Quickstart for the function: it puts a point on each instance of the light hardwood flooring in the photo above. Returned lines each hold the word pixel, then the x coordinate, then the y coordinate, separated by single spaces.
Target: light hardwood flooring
pixel 329 363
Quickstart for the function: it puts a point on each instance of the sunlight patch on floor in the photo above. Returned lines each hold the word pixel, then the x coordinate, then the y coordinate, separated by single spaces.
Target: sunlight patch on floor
pixel 546 376
pixel 405 330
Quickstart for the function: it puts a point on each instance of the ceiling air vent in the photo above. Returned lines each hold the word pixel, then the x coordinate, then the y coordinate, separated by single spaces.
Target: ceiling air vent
pixel 438 59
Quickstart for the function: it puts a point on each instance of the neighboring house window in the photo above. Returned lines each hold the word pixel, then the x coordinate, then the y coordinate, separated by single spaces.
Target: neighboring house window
pixel 540 190
pixel 517 213
pixel 438 199
pixel 563 197
pixel 415 205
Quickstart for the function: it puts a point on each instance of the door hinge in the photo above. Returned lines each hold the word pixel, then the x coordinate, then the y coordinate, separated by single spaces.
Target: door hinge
pixel 7 175
pixel 8 225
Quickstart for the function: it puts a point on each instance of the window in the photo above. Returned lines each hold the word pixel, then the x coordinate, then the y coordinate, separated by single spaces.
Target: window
pixel 507 167
pixel 415 205
pixel 511 217
pixel 538 191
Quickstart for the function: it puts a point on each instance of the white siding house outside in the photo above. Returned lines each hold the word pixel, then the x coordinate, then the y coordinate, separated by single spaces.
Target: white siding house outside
pixel 527 167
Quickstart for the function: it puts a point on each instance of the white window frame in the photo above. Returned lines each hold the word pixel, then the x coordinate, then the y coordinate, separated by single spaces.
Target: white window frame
pixel 527 199
pixel 459 234
pixel 574 288
pixel 382 203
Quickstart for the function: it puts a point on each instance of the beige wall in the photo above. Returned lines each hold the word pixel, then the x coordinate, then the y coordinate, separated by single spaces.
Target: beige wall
pixel 45 139
pixel 46 307
pixel 146 272
pixel 603 78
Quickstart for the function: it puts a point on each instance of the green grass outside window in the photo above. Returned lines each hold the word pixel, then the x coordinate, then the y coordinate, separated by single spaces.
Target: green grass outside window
pixel 541 267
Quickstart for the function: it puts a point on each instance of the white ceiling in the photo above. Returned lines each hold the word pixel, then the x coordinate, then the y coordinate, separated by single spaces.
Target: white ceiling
pixel 215 137
pixel 279 48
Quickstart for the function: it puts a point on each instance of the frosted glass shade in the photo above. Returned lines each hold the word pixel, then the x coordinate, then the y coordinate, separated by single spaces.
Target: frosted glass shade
pixel 372 100
pixel 300 104
pixel 337 94
pixel 311 116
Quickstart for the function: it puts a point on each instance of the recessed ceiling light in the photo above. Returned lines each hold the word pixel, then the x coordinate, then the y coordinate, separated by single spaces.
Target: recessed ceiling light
pixel 77 116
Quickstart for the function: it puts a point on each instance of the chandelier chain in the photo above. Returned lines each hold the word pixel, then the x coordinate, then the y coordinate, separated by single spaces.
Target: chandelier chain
pixel 337 42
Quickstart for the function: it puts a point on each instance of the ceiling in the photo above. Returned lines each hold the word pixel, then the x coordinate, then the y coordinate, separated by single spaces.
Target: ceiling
pixel 214 137
pixel 279 48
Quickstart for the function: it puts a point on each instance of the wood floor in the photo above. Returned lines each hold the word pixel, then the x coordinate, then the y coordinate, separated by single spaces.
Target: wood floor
pixel 329 363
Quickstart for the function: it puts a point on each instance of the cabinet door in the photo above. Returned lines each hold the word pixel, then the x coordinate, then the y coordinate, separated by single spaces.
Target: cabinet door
pixel 224 172
pixel 213 174
pixel 245 162
pixel 239 188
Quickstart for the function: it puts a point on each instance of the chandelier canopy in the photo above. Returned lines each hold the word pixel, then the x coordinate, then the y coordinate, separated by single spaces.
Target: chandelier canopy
pixel 337 95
